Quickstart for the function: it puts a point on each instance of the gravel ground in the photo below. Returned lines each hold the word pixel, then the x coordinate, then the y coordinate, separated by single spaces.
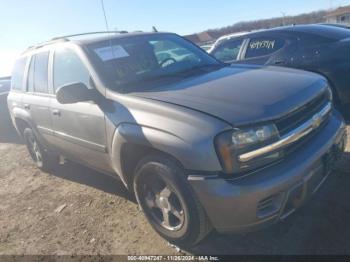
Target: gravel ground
pixel 75 210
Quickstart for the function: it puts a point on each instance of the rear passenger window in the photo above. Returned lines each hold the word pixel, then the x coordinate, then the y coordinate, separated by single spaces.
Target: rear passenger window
pixel 262 46
pixel 68 68
pixel 18 74
pixel 40 72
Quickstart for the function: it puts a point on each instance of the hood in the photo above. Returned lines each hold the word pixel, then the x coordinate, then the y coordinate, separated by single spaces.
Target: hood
pixel 242 94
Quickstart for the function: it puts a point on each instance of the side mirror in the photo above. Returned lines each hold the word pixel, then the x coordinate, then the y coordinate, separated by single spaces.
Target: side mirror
pixel 74 92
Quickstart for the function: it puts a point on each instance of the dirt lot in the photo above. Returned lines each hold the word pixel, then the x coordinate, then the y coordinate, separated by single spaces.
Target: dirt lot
pixel 99 217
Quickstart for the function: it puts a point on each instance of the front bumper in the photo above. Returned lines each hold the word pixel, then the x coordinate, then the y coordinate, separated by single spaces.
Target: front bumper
pixel 271 194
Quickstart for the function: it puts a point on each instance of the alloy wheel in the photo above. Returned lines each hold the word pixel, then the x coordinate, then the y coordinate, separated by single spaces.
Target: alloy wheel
pixel 163 204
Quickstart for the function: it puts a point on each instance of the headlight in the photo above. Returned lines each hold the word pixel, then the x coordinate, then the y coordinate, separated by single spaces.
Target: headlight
pixel 253 137
pixel 234 143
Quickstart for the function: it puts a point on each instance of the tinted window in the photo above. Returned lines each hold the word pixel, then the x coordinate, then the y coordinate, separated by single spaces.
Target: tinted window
pixel 262 46
pixel 30 81
pixel 17 74
pixel 68 68
pixel 228 51
pixel 40 72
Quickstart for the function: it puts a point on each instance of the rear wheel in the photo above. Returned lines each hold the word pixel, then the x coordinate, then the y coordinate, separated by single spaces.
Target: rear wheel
pixel 168 202
pixel 42 158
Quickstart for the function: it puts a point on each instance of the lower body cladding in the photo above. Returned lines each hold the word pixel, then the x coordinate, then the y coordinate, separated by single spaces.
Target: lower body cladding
pixel 271 194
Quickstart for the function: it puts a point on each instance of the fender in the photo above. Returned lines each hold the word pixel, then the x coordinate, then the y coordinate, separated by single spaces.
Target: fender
pixel 192 157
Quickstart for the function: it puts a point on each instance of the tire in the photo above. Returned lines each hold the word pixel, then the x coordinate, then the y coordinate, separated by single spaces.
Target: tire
pixel 43 159
pixel 162 190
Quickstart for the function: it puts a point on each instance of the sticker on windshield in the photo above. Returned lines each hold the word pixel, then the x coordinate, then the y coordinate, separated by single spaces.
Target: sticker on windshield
pixel 111 52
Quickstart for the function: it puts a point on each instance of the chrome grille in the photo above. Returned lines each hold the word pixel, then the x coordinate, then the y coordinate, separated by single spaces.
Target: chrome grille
pixel 299 133
pixel 301 115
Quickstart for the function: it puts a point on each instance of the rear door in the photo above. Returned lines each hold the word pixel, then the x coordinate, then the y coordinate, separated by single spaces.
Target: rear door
pixel 37 98
pixel 79 127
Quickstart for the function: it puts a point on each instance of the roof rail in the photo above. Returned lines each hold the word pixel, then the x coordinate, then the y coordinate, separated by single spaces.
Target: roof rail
pixel 36 46
pixel 66 38
pixel 90 33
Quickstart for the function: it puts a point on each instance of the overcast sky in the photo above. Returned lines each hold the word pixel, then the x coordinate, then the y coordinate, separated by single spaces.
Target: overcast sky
pixel 24 23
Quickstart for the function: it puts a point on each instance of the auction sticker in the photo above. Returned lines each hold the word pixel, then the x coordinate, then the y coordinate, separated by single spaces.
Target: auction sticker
pixel 111 52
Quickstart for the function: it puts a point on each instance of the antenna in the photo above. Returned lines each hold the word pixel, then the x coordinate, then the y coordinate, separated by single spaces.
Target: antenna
pixel 104 13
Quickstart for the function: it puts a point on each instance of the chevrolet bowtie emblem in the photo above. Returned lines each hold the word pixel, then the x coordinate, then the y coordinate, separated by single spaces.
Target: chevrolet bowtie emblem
pixel 316 121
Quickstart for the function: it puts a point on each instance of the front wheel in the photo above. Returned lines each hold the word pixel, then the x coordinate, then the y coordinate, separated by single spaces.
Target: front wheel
pixel 42 158
pixel 168 201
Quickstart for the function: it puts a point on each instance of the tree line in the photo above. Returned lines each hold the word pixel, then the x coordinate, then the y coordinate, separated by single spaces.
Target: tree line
pixel 307 18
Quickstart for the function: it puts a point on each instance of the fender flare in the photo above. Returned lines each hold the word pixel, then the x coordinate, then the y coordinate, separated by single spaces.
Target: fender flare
pixel 21 114
pixel 133 134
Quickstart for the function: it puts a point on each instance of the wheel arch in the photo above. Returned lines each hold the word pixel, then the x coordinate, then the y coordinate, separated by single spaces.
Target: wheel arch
pixel 133 142
pixel 132 154
pixel 21 124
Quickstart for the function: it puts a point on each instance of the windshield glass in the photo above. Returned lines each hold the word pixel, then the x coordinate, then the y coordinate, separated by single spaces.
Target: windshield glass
pixel 139 59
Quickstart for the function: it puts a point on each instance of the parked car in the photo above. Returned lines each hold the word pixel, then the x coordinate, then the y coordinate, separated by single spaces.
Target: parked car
pixel 226 38
pixel 323 49
pixel 201 144
pixel 205 47
pixel 177 53
pixel 5 85
pixel 337 25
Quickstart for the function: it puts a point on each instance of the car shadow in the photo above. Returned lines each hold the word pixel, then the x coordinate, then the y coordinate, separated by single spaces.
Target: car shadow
pixel 318 227
pixel 83 175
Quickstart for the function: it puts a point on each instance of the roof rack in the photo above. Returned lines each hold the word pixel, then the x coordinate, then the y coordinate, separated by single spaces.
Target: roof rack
pixel 91 33
pixel 46 43
pixel 66 38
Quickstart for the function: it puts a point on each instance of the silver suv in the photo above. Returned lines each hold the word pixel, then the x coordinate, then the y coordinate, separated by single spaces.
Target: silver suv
pixel 201 144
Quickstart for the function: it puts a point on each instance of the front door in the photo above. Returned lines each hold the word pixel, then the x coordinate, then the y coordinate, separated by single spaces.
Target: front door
pixel 79 128
pixel 229 51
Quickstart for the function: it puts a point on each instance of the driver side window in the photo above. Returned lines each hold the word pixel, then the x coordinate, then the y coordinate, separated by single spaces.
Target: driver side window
pixel 228 51
pixel 68 68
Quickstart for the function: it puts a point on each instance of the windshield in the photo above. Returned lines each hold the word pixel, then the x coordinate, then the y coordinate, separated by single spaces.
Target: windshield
pixel 139 59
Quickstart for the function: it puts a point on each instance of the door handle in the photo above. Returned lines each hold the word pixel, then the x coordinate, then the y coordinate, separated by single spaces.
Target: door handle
pixel 27 106
pixel 56 112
